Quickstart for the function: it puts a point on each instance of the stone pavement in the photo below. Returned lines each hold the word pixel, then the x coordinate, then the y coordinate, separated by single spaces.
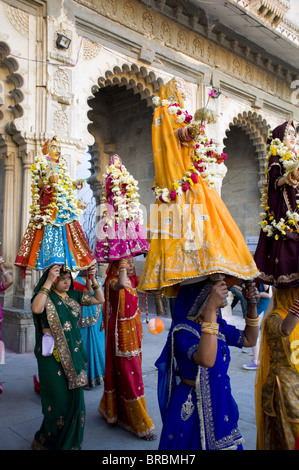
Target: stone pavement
pixel 21 415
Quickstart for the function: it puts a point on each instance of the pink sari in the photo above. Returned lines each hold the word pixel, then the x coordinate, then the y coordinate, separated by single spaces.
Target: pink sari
pixel 123 401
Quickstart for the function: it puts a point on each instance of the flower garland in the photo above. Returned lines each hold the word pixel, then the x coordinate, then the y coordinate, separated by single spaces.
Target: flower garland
pixel 290 162
pixel 204 157
pixel 63 201
pixel 125 195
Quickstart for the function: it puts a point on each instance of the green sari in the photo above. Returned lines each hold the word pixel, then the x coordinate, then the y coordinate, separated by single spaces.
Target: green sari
pixel 63 374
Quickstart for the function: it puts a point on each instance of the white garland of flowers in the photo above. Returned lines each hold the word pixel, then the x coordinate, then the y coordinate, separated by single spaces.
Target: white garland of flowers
pixel 63 196
pixel 289 160
pixel 126 204
pixel 203 158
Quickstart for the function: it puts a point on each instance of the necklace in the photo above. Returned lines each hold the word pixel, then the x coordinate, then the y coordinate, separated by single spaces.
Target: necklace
pixel 63 295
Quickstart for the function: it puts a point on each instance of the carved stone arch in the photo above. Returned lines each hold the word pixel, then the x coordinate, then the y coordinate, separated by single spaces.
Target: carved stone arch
pixel 134 86
pixel 256 127
pixel 11 109
pixel 139 79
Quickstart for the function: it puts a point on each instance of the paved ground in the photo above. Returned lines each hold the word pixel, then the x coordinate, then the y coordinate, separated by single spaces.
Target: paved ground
pixel 20 409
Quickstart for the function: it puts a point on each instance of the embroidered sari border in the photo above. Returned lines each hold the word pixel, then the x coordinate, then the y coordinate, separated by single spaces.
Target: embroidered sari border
pixel 74 380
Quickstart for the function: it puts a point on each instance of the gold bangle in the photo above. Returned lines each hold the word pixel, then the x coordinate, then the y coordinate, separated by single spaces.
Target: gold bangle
pixel 95 286
pixel 44 290
pixel 209 331
pixel 210 328
pixel 206 324
pixel 252 321
pixel 123 263
pixel 291 181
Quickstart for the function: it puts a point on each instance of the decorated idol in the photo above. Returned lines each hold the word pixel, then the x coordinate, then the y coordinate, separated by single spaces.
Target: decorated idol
pixel 192 232
pixel 54 235
pixel 120 233
pixel 277 252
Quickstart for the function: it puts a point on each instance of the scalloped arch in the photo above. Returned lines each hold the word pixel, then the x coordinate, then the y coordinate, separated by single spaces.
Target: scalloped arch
pixel 139 79
pixel 16 110
pixel 256 127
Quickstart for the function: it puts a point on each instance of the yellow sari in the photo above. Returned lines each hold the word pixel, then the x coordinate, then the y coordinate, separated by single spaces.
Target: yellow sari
pixel 195 236
pixel 277 378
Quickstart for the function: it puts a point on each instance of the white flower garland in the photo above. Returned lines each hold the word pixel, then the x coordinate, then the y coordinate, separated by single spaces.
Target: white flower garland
pixel 126 203
pixel 290 162
pixel 63 196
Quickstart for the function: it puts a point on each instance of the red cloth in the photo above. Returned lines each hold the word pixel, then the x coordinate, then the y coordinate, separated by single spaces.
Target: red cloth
pixel 123 401
pixel 79 286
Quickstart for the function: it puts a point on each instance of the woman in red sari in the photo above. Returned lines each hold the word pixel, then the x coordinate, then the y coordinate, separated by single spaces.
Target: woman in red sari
pixel 123 401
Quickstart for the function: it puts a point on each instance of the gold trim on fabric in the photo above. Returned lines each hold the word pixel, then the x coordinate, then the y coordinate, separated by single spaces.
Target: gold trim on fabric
pixel 74 380
pixel 92 320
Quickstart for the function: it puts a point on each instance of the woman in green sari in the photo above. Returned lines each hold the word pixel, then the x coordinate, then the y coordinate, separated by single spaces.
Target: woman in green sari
pixel 61 358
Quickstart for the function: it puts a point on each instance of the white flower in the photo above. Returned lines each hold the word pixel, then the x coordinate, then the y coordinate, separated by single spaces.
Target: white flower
pixel 181 118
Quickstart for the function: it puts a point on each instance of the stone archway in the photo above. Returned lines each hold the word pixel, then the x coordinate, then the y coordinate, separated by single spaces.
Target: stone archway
pixel 120 115
pixel 256 128
pixel 245 144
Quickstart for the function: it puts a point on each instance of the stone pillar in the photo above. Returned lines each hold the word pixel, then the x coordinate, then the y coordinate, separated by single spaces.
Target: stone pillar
pixel 17 328
pixel 8 211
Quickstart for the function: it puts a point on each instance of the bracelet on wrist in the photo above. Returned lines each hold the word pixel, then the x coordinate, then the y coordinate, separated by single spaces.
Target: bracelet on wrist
pixel 44 290
pixel 291 181
pixel 123 264
pixel 210 328
pixel 252 321
pixel 95 286
pixel 209 331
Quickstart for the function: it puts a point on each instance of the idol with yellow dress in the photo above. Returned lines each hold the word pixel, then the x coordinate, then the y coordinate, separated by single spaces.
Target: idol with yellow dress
pixel 192 234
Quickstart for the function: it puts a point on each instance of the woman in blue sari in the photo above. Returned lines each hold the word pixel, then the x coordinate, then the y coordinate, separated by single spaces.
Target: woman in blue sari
pixel 92 333
pixel 194 393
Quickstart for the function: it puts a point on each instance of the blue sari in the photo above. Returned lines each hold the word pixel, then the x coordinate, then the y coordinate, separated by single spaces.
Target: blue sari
pixel 93 337
pixel 200 415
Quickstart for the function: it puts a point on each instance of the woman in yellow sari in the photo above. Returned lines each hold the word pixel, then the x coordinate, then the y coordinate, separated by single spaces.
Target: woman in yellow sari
pixel 192 234
pixel 277 391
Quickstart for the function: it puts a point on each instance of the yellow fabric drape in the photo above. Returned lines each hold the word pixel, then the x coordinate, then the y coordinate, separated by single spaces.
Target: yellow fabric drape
pixel 283 299
pixel 196 236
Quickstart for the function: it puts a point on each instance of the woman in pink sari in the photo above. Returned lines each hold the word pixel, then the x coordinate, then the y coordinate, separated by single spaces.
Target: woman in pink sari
pixel 123 400
pixel 8 280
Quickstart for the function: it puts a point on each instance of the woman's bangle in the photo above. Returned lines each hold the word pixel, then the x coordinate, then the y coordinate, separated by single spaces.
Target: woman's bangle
pixel 123 263
pixel 209 332
pixel 95 286
pixel 291 181
pixel 210 328
pixel 252 321
pixel 44 290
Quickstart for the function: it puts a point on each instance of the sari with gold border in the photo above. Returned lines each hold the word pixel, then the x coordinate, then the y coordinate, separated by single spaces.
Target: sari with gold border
pixel 62 375
pixel 277 378
pixel 123 401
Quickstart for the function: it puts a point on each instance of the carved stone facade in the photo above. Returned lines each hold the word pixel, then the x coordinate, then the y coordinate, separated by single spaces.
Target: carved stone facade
pixel 97 94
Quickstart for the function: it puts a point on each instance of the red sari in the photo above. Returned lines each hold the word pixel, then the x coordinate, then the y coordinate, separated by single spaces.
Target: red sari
pixel 123 401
